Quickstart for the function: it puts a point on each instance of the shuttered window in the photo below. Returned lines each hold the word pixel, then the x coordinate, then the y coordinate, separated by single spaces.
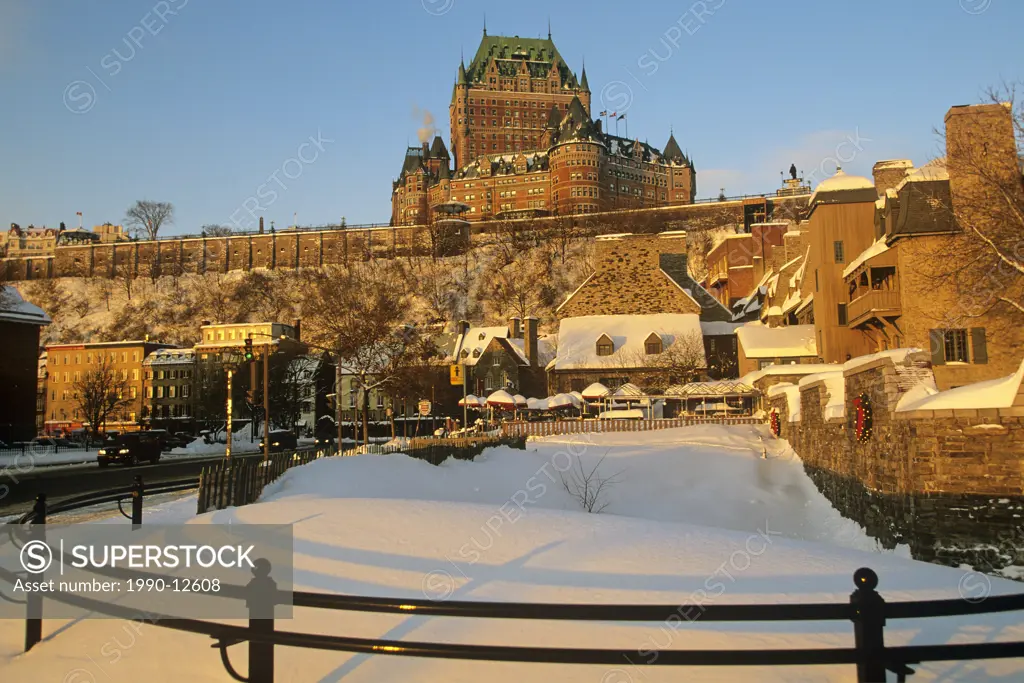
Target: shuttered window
pixel 979 351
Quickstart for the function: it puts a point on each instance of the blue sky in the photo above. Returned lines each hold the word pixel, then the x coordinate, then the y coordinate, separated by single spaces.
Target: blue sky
pixel 201 103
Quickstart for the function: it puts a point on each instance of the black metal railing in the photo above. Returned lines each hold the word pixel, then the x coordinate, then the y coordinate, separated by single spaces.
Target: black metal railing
pixel 240 481
pixel 866 610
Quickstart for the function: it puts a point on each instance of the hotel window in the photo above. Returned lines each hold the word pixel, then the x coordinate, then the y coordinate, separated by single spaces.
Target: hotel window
pixel 172 391
pixel 124 356
pixel 837 252
pixel 135 375
pixel 132 392
pixel 185 391
pixel 841 310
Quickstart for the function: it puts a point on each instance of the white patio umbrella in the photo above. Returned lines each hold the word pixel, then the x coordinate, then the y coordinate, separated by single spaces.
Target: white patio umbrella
pixel 594 392
pixel 520 401
pixel 501 399
pixel 537 404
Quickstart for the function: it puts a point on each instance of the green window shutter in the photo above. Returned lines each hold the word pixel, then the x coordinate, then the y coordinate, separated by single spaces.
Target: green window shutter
pixel 979 351
pixel 937 340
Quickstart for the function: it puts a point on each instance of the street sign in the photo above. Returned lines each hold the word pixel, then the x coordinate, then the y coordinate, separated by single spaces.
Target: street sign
pixel 425 408
pixel 457 373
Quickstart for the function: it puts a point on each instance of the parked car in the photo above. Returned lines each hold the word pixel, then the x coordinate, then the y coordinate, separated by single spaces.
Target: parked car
pixel 130 449
pixel 281 440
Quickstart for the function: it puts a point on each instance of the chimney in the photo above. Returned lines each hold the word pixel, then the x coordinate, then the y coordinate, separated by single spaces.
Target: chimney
pixel 515 328
pixel 261 225
pixel 298 329
pixel 463 327
pixel 888 174
pixel 530 341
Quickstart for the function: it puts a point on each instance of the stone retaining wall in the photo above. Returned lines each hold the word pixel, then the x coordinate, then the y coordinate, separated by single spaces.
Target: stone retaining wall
pixel 948 483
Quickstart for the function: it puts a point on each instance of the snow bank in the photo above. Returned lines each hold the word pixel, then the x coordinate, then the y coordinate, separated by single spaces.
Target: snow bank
pixel 695 512
pixel 792 393
pixel 994 393
pixel 835 385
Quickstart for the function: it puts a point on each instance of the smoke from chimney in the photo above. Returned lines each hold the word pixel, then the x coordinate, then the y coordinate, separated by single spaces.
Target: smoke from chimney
pixel 427 129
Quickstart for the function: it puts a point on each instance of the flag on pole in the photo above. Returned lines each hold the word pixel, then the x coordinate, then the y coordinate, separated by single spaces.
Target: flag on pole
pixel 614 113
pixel 78 213
pixel 621 117
pixel 604 113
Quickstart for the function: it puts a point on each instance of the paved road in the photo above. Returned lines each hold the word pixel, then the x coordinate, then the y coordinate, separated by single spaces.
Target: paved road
pixel 18 491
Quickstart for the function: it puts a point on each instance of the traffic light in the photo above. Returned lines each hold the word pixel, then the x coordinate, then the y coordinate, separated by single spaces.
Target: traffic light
pixel 249 355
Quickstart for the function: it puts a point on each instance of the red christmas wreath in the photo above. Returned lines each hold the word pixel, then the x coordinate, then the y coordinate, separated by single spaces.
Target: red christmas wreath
pixel 863 420
pixel 774 423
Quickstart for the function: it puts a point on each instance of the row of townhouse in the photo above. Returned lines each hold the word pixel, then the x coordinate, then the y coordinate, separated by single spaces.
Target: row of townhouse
pixel 179 389
pixel 879 263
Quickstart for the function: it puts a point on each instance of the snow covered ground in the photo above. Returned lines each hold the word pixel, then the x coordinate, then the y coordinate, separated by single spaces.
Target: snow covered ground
pixel 693 511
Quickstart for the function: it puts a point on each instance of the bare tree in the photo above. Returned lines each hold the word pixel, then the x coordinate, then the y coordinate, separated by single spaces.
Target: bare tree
pixel 101 392
pixel 589 487
pixel 145 217
pixel 215 230
pixel 359 315
pixel 983 258
pixel 438 289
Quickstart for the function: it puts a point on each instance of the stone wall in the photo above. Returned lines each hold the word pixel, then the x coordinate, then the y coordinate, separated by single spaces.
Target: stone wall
pixel 314 248
pixel 948 483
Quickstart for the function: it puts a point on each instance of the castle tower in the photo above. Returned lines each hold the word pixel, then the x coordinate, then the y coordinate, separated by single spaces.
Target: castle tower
pixel 502 99
pixel 575 159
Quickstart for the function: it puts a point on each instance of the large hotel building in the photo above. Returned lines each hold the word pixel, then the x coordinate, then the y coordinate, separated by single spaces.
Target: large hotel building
pixel 525 143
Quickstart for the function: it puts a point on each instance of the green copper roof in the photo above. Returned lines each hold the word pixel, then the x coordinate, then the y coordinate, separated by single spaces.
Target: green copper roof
pixel 510 51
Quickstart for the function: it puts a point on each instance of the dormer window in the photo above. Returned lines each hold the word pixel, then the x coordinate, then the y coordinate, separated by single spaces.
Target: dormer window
pixel 605 345
pixel 465 353
pixel 483 335
pixel 476 353
pixel 653 345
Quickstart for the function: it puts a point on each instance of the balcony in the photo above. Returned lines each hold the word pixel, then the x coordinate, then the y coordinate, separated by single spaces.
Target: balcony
pixel 874 303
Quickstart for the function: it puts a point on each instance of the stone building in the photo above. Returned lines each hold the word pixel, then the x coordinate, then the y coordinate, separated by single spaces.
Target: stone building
pixel 69 364
pixel 28 243
pixel 896 295
pixel 637 280
pixel 168 390
pixel 525 144
pixel 20 323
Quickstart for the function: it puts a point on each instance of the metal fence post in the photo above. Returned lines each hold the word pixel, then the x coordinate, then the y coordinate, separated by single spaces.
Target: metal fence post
pixel 262 596
pixel 868 627
pixel 137 490
pixel 34 600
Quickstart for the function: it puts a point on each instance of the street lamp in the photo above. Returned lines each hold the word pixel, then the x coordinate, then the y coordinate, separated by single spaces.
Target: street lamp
pixel 231 359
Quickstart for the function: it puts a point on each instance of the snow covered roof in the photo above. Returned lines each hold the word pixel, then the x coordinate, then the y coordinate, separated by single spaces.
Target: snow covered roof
pixel 877 247
pixel 761 341
pixel 841 182
pixel 577 338
pixel 469 347
pixel 711 328
pixel 933 170
pixel 719 388
pixel 794 369
pixel 14 309
pixel 170 357
pixel 994 393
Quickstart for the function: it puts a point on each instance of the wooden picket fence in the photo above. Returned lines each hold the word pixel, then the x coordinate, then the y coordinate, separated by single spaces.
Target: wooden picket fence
pixel 240 481
pixel 587 426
